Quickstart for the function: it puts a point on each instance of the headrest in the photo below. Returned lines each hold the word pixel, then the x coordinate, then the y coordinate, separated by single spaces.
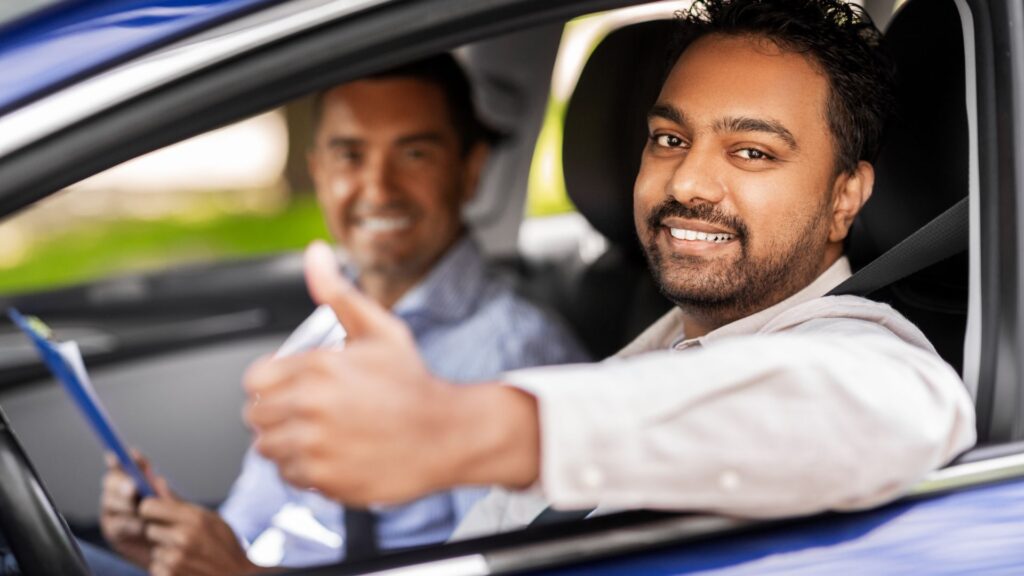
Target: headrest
pixel 606 125
pixel 922 169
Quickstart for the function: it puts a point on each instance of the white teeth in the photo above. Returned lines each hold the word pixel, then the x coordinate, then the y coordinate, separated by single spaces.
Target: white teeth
pixel 385 224
pixel 684 234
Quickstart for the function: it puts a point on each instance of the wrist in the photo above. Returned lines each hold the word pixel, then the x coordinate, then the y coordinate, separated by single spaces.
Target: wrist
pixel 494 437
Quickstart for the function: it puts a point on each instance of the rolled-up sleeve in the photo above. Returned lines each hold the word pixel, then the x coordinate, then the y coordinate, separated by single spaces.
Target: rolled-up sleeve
pixel 756 426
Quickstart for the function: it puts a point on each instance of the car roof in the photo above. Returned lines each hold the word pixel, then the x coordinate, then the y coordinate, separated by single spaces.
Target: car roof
pixel 68 40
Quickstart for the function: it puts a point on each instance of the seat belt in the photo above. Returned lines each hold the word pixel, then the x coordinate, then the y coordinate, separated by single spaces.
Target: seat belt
pixel 360 534
pixel 942 237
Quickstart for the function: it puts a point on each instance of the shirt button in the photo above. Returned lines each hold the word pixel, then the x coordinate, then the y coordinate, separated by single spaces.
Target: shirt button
pixel 591 477
pixel 729 481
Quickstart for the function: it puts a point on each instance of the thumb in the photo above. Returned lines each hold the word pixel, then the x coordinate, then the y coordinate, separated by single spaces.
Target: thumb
pixel 359 315
pixel 162 489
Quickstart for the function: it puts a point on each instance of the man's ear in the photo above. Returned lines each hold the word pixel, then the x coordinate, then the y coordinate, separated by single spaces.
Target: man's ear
pixel 473 167
pixel 852 190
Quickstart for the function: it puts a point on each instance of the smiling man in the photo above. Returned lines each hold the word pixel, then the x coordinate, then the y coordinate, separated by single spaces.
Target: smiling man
pixel 723 202
pixel 396 157
pixel 757 395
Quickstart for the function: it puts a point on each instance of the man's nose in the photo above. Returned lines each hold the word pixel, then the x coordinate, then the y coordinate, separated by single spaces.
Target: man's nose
pixel 697 177
pixel 378 179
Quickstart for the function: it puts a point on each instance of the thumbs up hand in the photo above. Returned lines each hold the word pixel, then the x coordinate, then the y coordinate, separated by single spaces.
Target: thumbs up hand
pixel 364 424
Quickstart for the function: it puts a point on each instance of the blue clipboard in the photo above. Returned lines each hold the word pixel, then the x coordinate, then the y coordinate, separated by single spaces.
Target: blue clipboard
pixel 83 395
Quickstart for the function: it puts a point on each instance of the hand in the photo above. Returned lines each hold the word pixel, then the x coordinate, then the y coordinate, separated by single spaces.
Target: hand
pixel 369 423
pixel 378 382
pixel 189 540
pixel 119 518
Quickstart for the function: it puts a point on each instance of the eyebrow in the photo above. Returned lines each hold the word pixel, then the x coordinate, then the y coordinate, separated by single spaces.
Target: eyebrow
pixel 428 137
pixel 350 142
pixel 343 142
pixel 745 124
pixel 730 124
pixel 667 112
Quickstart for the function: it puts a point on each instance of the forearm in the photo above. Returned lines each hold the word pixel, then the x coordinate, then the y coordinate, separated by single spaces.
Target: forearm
pixel 851 424
pixel 491 437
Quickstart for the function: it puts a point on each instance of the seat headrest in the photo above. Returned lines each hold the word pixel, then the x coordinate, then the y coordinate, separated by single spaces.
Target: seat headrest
pixel 922 168
pixel 606 125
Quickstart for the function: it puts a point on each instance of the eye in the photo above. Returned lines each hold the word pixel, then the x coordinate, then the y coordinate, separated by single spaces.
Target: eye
pixel 754 154
pixel 415 153
pixel 346 156
pixel 418 155
pixel 667 140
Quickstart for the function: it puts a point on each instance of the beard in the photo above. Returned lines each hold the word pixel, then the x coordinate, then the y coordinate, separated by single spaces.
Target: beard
pixel 726 288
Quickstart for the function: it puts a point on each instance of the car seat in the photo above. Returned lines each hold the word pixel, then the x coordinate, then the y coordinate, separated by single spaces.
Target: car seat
pixel 922 170
pixel 614 298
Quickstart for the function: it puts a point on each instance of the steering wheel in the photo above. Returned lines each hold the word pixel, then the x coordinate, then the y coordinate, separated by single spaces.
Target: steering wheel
pixel 36 533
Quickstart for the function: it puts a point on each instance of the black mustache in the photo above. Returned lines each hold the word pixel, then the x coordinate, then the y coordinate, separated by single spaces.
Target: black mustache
pixel 703 212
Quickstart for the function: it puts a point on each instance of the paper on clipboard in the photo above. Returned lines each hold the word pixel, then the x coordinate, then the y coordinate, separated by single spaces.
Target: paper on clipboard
pixel 64 359
pixel 320 329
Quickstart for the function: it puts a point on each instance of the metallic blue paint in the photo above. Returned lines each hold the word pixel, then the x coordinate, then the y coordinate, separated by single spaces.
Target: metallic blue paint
pixel 63 43
pixel 977 531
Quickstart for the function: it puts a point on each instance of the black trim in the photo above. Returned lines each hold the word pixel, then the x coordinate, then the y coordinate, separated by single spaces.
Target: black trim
pixel 139 315
pixel 35 531
pixel 999 366
pixel 989 215
pixel 982 453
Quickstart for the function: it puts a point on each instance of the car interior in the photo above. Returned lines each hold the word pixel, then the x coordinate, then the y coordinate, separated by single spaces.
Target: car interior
pixel 157 342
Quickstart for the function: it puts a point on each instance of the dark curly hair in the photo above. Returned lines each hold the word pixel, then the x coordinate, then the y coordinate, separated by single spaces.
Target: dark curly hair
pixel 838 37
pixel 447 74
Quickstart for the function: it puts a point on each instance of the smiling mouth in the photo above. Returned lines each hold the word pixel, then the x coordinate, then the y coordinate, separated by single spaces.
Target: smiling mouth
pixel 385 224
pixel 699 236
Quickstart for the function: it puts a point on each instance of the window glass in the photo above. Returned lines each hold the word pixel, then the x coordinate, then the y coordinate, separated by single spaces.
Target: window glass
pixel 235 192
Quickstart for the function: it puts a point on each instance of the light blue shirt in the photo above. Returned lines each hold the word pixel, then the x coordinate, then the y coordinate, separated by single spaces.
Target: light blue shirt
pixel 470 327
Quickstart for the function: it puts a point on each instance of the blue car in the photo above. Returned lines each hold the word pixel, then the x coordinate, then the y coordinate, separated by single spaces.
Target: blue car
pixel 87 85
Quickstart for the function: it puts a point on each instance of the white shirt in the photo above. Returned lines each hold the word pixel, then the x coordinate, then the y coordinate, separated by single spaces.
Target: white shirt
pixel 816 403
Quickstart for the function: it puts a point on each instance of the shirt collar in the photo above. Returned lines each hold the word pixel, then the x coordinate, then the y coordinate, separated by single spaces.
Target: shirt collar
pixel 829 279
pixel 450 290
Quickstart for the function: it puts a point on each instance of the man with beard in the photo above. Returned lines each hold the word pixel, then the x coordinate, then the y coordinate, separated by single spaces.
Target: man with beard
pixel 757 395
pixel 396 157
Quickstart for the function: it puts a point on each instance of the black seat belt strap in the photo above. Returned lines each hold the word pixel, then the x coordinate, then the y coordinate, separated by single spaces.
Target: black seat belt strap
pixel 360 534
pixel 942 237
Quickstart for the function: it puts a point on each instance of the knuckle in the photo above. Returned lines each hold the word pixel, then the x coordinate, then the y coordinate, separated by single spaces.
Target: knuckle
pixel 131 527
pixel 255 376
pixel 323 360
pixel 305 443
pixel 173 558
